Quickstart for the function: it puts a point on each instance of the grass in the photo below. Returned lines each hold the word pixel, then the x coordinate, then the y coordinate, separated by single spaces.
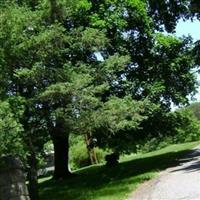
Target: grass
pixel 102 183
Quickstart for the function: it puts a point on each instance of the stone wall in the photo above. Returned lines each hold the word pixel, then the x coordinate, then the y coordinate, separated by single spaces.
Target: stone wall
pixel 12 180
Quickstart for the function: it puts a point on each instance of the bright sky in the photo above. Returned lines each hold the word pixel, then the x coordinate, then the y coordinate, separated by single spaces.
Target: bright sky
pixel 189 28
pixel 193 29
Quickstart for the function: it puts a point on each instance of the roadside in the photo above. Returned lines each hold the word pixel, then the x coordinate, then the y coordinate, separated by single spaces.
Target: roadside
pixel 116 183
pixel 177 183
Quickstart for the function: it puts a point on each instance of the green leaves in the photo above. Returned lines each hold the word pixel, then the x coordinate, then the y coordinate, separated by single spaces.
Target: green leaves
pixel 167 13
pixel 93 63
pixel 167 41
pixel 116 63
pixel 93 39
pixel 118 114
pixel 10 131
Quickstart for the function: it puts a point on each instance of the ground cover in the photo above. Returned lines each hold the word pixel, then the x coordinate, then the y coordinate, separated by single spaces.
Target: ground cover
pixel 103 183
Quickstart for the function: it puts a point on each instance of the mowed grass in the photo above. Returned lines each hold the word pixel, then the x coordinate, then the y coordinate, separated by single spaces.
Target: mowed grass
pixel 103 183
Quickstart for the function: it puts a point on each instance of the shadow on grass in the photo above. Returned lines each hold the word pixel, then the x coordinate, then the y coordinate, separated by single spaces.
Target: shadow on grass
pixel 100 181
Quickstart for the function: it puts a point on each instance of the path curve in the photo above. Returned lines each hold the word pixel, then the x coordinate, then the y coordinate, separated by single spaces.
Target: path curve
pixel 177 183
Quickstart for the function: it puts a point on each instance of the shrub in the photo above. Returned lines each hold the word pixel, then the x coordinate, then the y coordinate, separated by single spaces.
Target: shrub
pixel 185 127
pixel 79 154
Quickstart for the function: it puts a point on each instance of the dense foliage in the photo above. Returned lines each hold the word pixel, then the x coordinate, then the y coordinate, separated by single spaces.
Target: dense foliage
pixel 195 109
pixel 10 131
pixel 103 69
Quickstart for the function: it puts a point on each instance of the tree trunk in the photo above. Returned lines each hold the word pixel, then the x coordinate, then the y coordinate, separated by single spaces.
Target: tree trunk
pixel 91 149
pixel 61 156
pixel 60 138
pixel 93 156
pixel 32 177
pixel 31 158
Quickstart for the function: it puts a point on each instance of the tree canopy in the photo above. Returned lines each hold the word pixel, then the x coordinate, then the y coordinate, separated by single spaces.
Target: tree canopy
pixel 100 68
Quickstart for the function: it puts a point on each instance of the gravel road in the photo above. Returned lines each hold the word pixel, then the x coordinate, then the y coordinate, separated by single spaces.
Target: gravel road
pixel 178 183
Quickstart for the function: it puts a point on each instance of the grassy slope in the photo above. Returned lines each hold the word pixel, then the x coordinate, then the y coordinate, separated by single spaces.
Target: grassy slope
pixel 102 183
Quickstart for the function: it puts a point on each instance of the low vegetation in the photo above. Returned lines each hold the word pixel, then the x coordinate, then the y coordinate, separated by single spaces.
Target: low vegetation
pixel 102 183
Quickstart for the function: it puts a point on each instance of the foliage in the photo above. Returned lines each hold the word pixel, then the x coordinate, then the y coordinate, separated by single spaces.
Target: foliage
pixel 189 129
pixel 79 153
pixel 181 125
pixel 195 109
pixel 10 132
pixel 118 119
pixel 168 13
pixel 119 114
pixel 153 144
pixel 49 56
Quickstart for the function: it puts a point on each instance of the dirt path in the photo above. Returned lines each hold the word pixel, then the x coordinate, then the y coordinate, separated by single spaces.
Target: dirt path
pixel 177 183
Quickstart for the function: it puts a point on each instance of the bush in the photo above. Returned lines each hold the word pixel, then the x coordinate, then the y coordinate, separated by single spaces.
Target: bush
pixel 185 127
pixel 79 154
pixel 190 128
pixel 156 143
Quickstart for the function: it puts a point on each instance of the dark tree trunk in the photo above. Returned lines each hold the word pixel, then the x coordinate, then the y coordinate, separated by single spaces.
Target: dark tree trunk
pixel 60 138
pixel 61 157
pixel 31 158
pixel 32 177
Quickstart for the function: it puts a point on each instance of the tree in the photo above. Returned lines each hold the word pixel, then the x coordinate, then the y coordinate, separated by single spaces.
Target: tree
pixel 11 130
pixel 160 66
pixel 45 45
pixel 195 109
pixel 34 58
pixel 168 13
pixel 26 47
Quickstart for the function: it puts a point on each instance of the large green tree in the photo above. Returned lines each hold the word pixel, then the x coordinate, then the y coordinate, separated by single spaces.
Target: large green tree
pixel 39 57
pixel 70 60
pixel 160 65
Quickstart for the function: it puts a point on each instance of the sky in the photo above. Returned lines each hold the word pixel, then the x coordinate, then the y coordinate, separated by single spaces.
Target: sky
pixel 189 28
pixel 193 29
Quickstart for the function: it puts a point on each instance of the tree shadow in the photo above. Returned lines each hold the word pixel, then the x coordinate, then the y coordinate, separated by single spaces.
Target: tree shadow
pixel 107 179
pixel 189 163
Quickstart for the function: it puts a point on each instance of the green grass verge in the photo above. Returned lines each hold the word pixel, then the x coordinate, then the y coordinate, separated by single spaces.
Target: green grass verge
pixel 102 183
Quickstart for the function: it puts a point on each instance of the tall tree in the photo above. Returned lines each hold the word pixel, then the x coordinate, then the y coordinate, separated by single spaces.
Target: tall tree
pixel 110 44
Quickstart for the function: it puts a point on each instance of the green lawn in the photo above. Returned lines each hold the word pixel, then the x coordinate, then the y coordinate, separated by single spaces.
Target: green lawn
pixel 102 183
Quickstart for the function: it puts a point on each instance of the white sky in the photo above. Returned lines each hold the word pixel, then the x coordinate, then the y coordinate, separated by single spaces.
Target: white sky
pixel 193 29
pixel 189 28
